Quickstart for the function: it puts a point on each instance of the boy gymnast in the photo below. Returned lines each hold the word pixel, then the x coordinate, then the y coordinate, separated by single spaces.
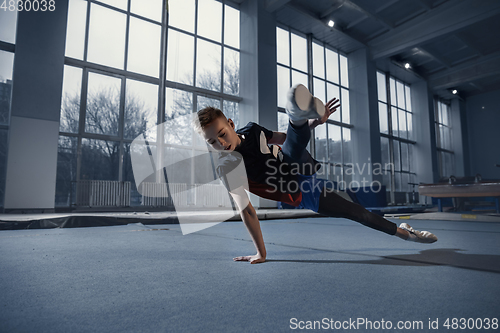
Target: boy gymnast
pixel 286 174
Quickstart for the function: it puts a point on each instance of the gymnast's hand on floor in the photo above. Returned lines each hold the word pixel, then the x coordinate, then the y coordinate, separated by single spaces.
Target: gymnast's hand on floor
pixel 330 108
pixel 255 259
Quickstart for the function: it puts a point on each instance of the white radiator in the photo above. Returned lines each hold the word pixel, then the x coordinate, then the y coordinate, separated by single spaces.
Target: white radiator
pixel 211 195
pixel 156 195
pixel 208 195
pixel 102 193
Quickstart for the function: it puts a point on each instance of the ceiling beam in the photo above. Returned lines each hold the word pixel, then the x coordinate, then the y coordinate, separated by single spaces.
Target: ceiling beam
pixel 435 57
pixel 386 4
pixel 468 44
pixel 426 61
pixel 377 33
pixel 274 5
pixel 458 62
pixel 477 86
pixel 442 20
pixel 375 16
pixel 333 9
pixel 318 19
pixel 356 22
pixel 452 51
pixel 410 17
pixel 467 72
pixel 437 69
pixel 424 4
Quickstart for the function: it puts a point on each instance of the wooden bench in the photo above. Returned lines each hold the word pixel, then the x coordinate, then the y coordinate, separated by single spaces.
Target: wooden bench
pixel 462 189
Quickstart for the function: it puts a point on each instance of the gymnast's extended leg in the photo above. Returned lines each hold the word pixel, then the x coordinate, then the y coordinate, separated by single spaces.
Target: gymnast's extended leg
pixel 333 205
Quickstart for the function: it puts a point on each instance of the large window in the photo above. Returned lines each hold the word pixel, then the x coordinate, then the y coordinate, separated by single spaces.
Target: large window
pixel 129 66
pixel 396 134
pixel 292 62
pixel 8 23
pixel 328 73
pixel 446 157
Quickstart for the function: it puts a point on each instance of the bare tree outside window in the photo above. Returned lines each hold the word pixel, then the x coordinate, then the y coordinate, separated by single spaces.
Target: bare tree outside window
pixel 104 109
pixel 100 158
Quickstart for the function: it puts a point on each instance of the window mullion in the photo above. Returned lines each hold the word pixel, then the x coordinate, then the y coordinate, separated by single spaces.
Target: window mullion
pixel 127 35
pixel 121 124
pixel 195 42
pixel 121 114
pixel 161 115
pixel 81 121
pixel 312 145
pixel 222 60
pixel 87 28
pixel 391 141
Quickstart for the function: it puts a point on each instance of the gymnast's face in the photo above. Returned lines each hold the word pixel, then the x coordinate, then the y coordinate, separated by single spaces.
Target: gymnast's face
pixel 220 134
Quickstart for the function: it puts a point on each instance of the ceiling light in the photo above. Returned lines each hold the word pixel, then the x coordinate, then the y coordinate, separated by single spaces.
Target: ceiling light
pixel 331 23
pixel 454 91
pixel 407 65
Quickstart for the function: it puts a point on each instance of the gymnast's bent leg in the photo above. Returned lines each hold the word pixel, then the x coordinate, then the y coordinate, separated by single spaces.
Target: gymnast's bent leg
pixel 294 148
pixel 298 132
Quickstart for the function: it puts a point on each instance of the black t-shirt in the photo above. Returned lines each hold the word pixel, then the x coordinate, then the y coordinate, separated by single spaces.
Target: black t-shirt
pixel 268 176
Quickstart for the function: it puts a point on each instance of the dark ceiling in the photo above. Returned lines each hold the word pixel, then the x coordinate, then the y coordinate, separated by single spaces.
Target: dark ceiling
pixel 453 44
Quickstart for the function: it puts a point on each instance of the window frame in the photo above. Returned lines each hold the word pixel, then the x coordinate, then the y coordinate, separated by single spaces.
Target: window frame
pixel 339 125
pixel 397 139
pixel 440 149
pixel 161 81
